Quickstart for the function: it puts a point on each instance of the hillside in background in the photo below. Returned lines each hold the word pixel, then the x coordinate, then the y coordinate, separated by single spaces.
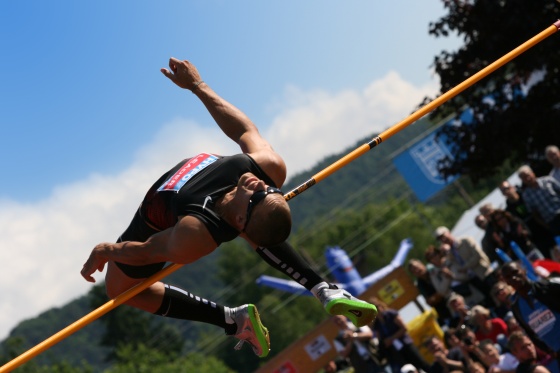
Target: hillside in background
pixel 375 168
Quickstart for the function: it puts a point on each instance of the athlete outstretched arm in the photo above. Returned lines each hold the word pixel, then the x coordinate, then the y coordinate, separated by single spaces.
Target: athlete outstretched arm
pixel 233 122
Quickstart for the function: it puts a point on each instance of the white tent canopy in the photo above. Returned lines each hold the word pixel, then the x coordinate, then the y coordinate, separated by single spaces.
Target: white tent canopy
pixel 465 226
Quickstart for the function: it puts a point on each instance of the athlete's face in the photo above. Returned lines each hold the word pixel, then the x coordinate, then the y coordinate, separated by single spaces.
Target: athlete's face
pixel 253 190
pixel 247 185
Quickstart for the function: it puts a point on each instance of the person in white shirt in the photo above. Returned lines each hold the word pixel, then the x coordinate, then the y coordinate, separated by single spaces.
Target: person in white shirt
pixel 500 362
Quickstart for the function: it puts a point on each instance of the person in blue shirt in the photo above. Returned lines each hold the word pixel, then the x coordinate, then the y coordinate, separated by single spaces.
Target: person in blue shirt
pixel 536 307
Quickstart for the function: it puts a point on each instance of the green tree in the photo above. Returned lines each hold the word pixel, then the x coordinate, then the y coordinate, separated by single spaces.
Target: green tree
pixel 143 359
pixel 128 326
pixel 513 127
pixel 65 367
pixel 12 348
pixel 15 346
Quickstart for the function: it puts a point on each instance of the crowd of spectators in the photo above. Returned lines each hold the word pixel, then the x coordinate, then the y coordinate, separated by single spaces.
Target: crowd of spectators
pixel 497 299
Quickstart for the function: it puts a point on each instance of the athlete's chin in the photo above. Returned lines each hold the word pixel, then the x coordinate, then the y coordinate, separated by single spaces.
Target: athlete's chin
pixel 247 179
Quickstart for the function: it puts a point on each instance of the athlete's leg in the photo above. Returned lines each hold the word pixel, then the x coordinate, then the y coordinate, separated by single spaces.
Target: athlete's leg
pixel 284 258
pixel 169 301
pixel 116 283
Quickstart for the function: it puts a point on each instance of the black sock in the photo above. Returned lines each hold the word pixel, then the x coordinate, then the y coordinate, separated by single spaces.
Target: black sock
pixel 284 258
pixel 180 304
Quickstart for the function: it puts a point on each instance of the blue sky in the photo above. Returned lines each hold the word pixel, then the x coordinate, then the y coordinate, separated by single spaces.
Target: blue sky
pixel 81 87
pixel 88 120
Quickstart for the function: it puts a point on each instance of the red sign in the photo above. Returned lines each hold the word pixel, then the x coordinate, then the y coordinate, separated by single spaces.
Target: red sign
pixel 287 367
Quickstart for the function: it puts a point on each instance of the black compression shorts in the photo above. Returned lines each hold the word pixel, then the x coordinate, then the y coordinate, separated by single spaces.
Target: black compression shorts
pixel 139 231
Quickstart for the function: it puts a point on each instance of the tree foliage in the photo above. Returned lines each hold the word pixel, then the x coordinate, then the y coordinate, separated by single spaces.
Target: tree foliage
pixel 513 127
pixel 143 359
pixel 127 326
pixel 15 346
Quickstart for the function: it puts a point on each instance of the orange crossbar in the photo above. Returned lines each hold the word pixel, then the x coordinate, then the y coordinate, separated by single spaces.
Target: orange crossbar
pixel 87 319
pixel 113 303
pixel 422 111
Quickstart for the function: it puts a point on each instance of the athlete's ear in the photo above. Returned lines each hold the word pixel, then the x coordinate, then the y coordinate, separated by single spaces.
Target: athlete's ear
pixel 240 221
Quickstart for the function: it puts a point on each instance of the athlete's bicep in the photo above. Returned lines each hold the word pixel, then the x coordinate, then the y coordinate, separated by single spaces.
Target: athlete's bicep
pixel 251 141
pixel 189 241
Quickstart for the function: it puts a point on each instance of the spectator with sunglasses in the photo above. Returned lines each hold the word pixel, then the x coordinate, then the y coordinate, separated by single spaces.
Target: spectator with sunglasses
pixel 202 202
pixel 502 294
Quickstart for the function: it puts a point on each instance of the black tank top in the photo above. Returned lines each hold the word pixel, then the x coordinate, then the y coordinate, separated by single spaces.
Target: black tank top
pixel 193 186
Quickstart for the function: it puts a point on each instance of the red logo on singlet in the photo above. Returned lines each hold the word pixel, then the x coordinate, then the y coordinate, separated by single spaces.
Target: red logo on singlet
pixel 187 171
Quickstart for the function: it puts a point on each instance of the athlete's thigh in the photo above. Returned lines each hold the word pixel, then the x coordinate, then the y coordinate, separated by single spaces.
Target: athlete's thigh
pixel 116 282
pixel 148 299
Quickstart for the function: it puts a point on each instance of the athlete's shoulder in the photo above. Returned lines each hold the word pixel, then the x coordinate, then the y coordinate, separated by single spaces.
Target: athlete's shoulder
pixel 272 164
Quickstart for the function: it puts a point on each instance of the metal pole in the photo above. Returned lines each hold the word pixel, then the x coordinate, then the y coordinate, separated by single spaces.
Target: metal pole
pixel 113 303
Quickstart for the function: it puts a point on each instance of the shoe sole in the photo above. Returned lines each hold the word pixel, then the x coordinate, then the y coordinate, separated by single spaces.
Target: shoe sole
pixel 359 313
pixel 260 330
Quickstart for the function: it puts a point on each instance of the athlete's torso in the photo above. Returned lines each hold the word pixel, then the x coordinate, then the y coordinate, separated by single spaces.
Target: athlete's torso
pixel 194 185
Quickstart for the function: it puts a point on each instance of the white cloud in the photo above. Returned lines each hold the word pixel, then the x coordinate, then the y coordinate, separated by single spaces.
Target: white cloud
pixel 317 124
pixel 44 244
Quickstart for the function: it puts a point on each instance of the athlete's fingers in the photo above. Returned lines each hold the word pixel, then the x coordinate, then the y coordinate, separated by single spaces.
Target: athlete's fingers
pixel 87 275
pixel 100 267
pixel 173 62
pixel 167 73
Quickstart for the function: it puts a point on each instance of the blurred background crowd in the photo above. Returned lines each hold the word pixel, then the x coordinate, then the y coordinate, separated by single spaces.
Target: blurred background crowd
pixel 497 299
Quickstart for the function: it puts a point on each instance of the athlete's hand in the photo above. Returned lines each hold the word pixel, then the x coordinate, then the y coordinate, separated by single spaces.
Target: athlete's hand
pixel 182 73
pixel 95 262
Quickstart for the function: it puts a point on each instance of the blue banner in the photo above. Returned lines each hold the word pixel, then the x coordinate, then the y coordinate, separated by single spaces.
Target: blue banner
pixel 419 163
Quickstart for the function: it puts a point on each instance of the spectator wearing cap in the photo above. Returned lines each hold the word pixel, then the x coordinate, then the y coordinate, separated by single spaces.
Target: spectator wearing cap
pixel 468 262
pixel 461 311
pixel 542 198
